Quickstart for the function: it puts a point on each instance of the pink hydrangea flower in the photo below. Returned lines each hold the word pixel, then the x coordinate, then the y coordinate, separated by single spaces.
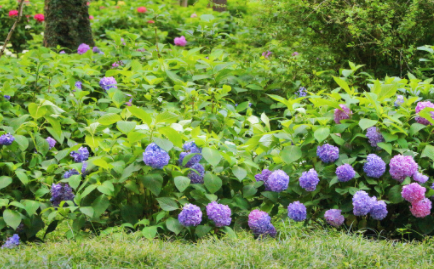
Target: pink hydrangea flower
pixel 413 192
pixel 401 167
pixel 180 41
pixel 141 9
pixel 39 17
pixel 151 21
pixel 420 106
pixel 194 15
pixel 13 13
pixel 421 209
pixel 91 17
pixel 342 114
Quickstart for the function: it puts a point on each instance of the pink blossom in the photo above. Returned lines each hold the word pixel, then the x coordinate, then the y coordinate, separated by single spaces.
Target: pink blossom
pixel 13 13
pixel 39 17
pixel 342 114
pixel 413 192
pixel 180 41
pixel 421 209
pixel 141 10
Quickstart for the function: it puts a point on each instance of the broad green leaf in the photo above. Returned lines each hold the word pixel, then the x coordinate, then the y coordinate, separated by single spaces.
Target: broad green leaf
pixel 100 205
pixel 322 133
pixel 149 232
pixel 167 204
pixel 202 230
pixel 126 126
pixel 22 142
pixel 37 111
pixel 239 173
pixel 394 194
pixel 153 182
pixel 365 123
pixel 343 84
pixel 174 136
pixel 109 118
pixel 182 183
pixel 5 181
pixel 428 151
pixel 87 210
pixel 212 156
pixel 12 218
pixel 165 144
pixel 386 146
pixel 166 117
pixel 212 182
pixel 141 114
pixel 30 206
pixel 291 154
pixel 21 174
pixel 173 225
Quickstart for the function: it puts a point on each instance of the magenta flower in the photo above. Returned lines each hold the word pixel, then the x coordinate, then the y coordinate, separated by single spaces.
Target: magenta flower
pixel 420 106
pixel 421 209
pixel 413 192
pixel 180 41
pixel 342 114
pixel 401 167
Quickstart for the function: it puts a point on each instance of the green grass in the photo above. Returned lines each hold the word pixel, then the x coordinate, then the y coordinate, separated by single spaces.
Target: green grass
pixel 295 248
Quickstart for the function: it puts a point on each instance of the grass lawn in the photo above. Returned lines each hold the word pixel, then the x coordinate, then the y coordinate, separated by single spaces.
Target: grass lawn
pixel 294 248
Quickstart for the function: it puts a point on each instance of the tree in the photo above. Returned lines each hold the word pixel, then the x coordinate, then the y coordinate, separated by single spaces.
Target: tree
pixel 219 5
pixel 67 24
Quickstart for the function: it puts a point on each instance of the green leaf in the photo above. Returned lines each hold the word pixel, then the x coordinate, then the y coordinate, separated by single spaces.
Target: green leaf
pixel 165 144
pixel 212 182
pixel 394 194
pixel 167 204
pixel 12 218
pixel 428 151
pixel 166 117
pixel 202 230
pixel 30 206
pixel 174 136
pixel 212 156
pixel 109 118
pixel 229 232
pixel 101 163
pixel 5 181
pixel 126 126
pixel 100 205
pixel 182 183
pixel 416 127
pixel 21 174
pixel 322 133
pixel 37 111
pixel 425 224
pixel 239 173
pixel 149 232
pixel 107 188
pixel 365 123
pixel 343 84
pixel 153 182
pixel 173 225
pixel 291 154
pixel 87 210
pixel 141 114
pixel 129 171
pixel 386 146
pixel 22 142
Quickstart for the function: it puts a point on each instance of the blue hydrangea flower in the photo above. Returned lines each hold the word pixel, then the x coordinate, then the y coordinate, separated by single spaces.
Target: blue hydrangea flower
pixel 62 52
pixel 328 153
pixel 375 166
pixel 78 85
pixel 302 92
pixel 362 203
pixel 155 157
pixel 6 139
pixel 309 180
pixel 419 177
pixel 260 223
pixel 191 215
pixel 190 148
pixel 108 83
pixel 399 100
pixel 378 210
pixel 12 242
pixel 263 177
pixel 51 142
pixel 97 50
pixel 345 172
pixel 61 193
pixel 220 214
pixel 70 173
pixel 83 169
pixel 334 217
pixel 374 136
pixel 297 211
pixel 278 181
pixel 82 154
pixel 196 176
pixel 7 97
pixel 83 48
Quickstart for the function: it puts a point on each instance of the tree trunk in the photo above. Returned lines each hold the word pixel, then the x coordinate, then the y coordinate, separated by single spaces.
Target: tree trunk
pixel 184 3
pixel 219 5
pixel 67 24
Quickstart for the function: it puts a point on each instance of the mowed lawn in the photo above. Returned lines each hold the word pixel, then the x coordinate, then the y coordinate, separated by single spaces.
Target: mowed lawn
pixel 294 248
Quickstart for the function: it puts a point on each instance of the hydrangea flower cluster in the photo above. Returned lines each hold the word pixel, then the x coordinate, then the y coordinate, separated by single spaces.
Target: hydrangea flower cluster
pixel 78 85
pixel 278 181
pixel 419 177
pixel 70 173
pixel 375 166
pixel 342 114
pixel 260 223
pixel 263 177
pixel 81 155
pixel 402 166
pixel 190 148
pixel 61 193
pixel 7 97
pixel 180 41
pixel 362 203
pixel 328 153
pixel 191 215
pixel 374 136
pixel 97 50
pixel 309 180
pixel 399 100
pixel 421 209
pixel 12 241
pixel 155 157
pixel 107 83
pixel 220 214
pixel 196 176
pixel 413 192
pixel 266 54
pixel 83 169
pixel 334 217
pixel 345 172
pixel 83 48
pixel 6 139
pixel 39 17
pixel 302 92
pixel 419 107
pixel 51 142
pixel 297 211
pixel 378 210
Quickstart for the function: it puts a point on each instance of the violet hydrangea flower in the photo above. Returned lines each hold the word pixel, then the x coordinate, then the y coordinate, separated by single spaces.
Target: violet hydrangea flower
pixel 422 208
pixel 70 173
pixel 62 52
pixel 6 139
pixel 220 214
pixel 413 192
pixel 419 177
pixel 78 85
pixel 334 217
pixel 191 215
pixel 309 180
pixel 190 148
pixel 61 193
pixel 180 41
pixel 260 223
pixel 378 210
pixel 277 181
pixel 107 83
pixel 196 175
pixel 401 167
pixel 419 107
pixel 155 156
pixel 51 142
pixel 302 92
pixel 263 177
pixel 399 100
pixel 345 172
pixel 82 154
pixel 342 114
pixel 375 166
pixel 7 97
pixel 83 48
pixel 374 136
pixel 328 153
pixel 266 54
pixel 297 211
pixel 12 241
pixel 362 203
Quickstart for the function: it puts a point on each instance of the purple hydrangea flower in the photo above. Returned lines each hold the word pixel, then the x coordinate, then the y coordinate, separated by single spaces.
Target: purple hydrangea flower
pixel 196 176
pixel 267 54
pixel 378 210
pixel 295 53
pixel 375 166
pixel 419 177
pixel 70 173
pixel 11 242
pixel 130 102
pixel 107 83
pixel 362 203
pixel 7 97
pixel 51 142
pixel 6 139
pixel 328 153
pixel 345 172
pixel 190 215
pixel 62 52
pixel 155 156
pixel 220 214
pixel 260 223
pixel 413 192
pixel 61 193
pixel 421 209
pixel 190 148
pixel 399 100
pixel 277 181
pixel 302 92
pixel 342 114
pixel 96 50
pixel 419 107
pixel 83 48
pixel 374 136
pixel 263 177
pixel 334 217
pixel 83 169
pixel 250 104
pixel 78 85
pixel 309 180
pixel 82 154
pixel 401 167
pixel 297 211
